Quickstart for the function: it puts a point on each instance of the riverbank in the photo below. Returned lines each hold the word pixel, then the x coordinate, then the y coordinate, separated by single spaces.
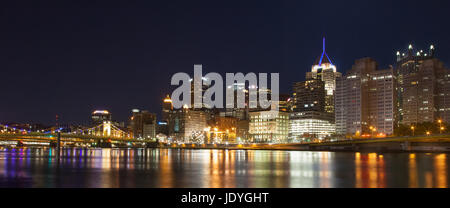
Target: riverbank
pixel 438 143
pixel 348 147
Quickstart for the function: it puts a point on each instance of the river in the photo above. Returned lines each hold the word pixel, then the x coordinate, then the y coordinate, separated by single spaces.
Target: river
pixel 204 168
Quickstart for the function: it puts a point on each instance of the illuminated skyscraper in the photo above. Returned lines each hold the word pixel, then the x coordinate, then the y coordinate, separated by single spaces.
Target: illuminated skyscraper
pixel 323 69
pixel 313 101
pixel 423 91
pixel 166 108
pixel 365 100
pixel 309 119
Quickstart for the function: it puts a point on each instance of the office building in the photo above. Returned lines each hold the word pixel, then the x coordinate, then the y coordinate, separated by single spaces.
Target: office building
pixel 366 100
pixel 269 126
pixel 309 119
pixel 309 96
pixel 304 126
pixel 167 107
pixel 423 91
pixel 188 125
pixel 235 111
pixel 143 124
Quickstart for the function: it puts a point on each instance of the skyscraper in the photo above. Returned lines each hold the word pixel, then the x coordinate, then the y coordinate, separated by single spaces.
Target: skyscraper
pixel 323 69
pixel 422 87
pixel 143 124
pixel 166 108
pixel 310 95
pixel 310 119
pixel 365 100
pixel 313 101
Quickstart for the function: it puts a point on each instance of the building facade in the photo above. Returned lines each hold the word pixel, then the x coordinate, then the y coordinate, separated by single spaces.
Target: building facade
pixel 143 124
pixel 423 91
pixel 167 107
pixel 269 126
pixel 309 125
pixel 366 100
pixel 314 102
pixel 188 125
pixel 309 96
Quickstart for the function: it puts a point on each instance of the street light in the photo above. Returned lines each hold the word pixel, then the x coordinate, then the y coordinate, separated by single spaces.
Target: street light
pixel 373 129
pixel 412 128
pixel 440 126
pixel 428 133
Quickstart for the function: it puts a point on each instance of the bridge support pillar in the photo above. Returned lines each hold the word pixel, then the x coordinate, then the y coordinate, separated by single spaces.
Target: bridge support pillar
pixel 58 145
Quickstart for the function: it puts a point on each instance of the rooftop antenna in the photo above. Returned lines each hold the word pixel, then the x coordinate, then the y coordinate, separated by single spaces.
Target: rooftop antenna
pixel 324 53
pixel 323 45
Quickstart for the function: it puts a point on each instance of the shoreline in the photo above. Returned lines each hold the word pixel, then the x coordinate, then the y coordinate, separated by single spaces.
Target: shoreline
pixel 274 148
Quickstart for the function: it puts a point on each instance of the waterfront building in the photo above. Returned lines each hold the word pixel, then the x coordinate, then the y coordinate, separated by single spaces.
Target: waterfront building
pixel 269 126
pixel 323 69
pixel 309 118
pixel 366 100
pixel 143 124
pixel 443 90
pixel 188 125
pixel 423 93
pixel 222 130
pixel 309 125
pixel 313 101
pixel 242 132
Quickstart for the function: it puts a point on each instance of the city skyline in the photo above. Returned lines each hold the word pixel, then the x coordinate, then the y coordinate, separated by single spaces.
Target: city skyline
pixel 74 80
pixel 263 95
pixel 158 112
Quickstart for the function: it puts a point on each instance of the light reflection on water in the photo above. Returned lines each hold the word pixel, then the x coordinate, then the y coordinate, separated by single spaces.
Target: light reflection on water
pixel 77 167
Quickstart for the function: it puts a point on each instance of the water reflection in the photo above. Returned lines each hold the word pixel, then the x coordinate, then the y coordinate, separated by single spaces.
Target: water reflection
pixel 78 167
pixel 370 170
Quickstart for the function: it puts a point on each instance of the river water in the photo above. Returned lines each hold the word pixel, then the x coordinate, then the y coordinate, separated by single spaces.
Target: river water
pixel 203 168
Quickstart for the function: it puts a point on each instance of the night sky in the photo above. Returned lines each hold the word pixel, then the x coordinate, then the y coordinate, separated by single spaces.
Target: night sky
pixel 70 58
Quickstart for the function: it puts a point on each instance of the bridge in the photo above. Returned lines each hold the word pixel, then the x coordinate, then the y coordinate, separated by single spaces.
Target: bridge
pixel 102 135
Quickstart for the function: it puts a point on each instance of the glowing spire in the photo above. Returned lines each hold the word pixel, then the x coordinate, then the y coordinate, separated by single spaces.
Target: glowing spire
pixel 324 53
pixel 323 45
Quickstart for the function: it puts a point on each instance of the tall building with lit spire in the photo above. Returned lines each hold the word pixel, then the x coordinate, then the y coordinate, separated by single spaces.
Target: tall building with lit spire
pixel 324 69
pixel 313 111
